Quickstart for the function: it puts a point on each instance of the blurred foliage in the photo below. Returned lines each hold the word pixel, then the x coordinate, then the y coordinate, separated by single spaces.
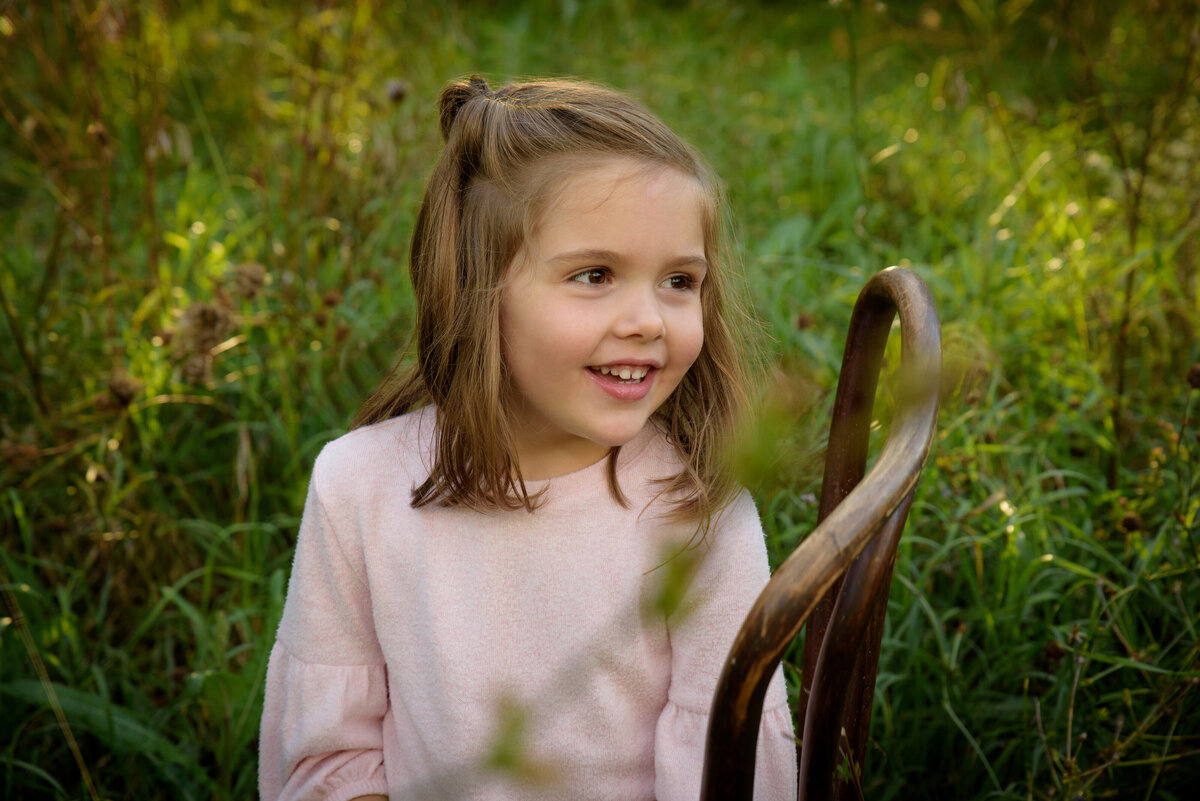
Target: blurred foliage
pixel 206 210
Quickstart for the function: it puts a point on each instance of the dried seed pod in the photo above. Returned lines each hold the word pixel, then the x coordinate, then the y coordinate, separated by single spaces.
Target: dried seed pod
pixel 1193 376
pixel 397 90
pixel 249 278
pixel 1052 652
pixel 198 369
pixel 123 387
pixel 203 327
pixel 98 132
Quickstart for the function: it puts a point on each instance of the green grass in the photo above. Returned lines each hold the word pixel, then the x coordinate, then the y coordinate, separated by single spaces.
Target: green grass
pixel 1041 640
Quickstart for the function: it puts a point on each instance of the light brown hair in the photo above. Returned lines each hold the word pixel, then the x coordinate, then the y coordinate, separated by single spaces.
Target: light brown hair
pixel 507 152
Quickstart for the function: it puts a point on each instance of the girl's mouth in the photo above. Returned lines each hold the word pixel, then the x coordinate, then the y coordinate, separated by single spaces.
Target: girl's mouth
pixel 625 382
pixel 623 373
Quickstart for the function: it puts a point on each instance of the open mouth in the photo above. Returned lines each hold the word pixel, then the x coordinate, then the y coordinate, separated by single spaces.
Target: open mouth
pixel 623 373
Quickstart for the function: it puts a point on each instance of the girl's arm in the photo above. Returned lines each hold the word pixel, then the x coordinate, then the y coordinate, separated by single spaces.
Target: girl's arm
pixel 326 690
pixel 732 572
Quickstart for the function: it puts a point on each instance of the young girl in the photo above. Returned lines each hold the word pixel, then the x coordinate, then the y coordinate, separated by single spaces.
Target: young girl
pixel 521 573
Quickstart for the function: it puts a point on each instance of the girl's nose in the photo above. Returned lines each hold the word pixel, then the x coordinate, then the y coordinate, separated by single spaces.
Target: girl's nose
pixel 640 316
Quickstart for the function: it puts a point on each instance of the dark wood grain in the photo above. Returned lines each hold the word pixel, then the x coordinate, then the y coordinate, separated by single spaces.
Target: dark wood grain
pixel 860 520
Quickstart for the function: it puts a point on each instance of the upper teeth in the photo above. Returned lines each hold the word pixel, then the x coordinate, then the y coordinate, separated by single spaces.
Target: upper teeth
pixel 625 372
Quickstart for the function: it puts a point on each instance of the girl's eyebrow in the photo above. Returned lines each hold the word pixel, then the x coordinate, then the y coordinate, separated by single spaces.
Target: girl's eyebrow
pixel 601 255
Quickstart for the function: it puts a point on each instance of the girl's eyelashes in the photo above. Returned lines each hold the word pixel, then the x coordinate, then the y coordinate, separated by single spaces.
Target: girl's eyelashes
pixel 599 276
pixel 593 276
pixel 681 281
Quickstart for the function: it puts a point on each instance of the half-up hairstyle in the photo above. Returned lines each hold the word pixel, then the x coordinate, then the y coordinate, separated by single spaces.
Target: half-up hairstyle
pixel 507 152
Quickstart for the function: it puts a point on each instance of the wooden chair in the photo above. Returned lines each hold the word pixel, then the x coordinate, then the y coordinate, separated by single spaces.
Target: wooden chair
pixel 838 577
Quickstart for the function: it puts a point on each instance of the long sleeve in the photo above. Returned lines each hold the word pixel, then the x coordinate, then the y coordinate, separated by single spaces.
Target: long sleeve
pixel 731 574
pixel 326 690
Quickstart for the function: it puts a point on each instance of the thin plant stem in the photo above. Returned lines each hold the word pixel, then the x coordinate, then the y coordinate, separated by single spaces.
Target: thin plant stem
pixel 35 377
pixel 39 667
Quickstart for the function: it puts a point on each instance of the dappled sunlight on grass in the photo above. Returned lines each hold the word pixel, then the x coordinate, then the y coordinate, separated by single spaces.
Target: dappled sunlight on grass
pixel 208 209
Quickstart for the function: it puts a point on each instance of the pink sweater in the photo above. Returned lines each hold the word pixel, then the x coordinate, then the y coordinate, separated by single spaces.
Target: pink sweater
pixel 443 653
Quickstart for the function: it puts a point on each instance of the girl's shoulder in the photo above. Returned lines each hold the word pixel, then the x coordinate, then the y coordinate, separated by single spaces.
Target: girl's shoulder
pixel 660 461
pixel 385 452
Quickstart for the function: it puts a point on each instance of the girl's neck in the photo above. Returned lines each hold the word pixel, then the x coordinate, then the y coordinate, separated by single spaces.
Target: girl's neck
pixel 546 457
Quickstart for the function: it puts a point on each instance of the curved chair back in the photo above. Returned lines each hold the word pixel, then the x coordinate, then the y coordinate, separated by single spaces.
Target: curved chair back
pixel 837 579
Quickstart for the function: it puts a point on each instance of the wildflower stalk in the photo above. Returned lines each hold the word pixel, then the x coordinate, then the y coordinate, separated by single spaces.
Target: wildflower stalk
pixel 1134 170
pixel 35 378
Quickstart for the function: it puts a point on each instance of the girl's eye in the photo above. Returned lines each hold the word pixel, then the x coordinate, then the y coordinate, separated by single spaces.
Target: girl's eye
pixel 593 276
pixel 681 282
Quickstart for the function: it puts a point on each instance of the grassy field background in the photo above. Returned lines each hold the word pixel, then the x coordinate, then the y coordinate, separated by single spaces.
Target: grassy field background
pixel 205 211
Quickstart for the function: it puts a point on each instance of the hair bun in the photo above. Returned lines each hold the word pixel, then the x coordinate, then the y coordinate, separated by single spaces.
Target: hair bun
pixel 458 94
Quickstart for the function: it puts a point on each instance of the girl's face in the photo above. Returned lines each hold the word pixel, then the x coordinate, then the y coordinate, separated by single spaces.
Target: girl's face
pixel 600 315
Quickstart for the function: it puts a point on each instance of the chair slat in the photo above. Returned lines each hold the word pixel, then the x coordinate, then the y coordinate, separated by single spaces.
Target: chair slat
pixel 854 509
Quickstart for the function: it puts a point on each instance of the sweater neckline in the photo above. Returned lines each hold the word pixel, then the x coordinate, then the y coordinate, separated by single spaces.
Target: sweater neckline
pixel 591 477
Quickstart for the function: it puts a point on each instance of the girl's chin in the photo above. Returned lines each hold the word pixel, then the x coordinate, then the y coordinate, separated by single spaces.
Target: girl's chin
pixel 617 435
